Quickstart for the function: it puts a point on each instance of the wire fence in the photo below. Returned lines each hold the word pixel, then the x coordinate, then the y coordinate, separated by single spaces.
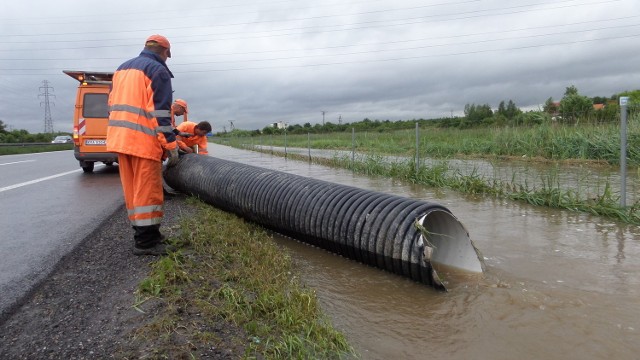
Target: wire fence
pixel 412 148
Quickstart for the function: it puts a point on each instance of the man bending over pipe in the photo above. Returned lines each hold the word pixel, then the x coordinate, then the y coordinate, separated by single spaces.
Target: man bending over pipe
pixel 192 134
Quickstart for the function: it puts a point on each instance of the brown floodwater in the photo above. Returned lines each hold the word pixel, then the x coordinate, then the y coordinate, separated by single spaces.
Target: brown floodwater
pixel 586 181
pixel 557 284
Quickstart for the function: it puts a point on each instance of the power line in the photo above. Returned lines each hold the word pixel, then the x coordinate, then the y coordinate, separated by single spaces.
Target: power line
pixel 369 51
pixel 387 42
pixel 401 49
pixel 252 22
pixel 380 60
pixel 181 10
pixel 415 57
pixel 421 18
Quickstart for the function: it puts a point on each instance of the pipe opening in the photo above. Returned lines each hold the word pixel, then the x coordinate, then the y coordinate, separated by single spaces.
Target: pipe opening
pixel 450 242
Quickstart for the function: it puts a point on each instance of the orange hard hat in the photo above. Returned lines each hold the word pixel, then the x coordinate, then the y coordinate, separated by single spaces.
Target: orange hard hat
pixel 160 40
pixel 182 103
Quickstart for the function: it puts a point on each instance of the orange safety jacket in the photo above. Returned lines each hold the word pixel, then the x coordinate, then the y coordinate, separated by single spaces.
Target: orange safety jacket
pixel 140 108
pixel 201 141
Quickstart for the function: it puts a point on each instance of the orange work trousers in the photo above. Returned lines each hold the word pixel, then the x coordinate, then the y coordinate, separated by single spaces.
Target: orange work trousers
pixel 142 186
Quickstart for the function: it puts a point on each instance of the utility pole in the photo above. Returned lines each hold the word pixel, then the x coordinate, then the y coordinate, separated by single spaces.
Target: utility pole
pixel 340 119
pixel 231 126
pixel 44 91
pixel 323 112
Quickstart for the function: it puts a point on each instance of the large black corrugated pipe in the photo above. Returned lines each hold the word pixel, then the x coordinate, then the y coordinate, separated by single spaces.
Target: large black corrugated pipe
pixel 398 234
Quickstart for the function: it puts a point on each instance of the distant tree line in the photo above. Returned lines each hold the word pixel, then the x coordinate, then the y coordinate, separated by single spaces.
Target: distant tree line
pixel 573 108
pixel 23 136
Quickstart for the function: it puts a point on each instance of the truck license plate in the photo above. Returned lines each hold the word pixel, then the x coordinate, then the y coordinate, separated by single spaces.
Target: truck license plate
pixel 95 142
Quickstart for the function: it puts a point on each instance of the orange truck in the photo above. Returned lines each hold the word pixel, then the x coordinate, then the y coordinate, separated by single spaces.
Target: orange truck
pixel 90 118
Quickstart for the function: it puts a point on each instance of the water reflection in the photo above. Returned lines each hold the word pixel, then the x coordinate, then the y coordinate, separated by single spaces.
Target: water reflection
pixel 588 182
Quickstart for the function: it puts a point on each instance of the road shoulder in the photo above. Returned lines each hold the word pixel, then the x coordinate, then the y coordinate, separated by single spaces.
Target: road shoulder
pixel 84 309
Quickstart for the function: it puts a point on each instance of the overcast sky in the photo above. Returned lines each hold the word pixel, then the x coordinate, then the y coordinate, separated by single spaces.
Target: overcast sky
pixel 257 62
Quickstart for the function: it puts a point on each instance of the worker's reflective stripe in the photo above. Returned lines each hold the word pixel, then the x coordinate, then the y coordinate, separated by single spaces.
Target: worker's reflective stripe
pixel 144 209
pixel 161 113
pixel 128 125
pixel 134 110
pixel 163 129
pixel 146 222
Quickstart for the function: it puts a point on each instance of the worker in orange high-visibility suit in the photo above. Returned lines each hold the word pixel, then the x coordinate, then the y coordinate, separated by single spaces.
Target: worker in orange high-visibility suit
pixel 179 108
pixel 140 132
pixel 191 134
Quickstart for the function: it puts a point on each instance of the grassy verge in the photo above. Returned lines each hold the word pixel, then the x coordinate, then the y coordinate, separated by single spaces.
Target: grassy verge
pixel 595 142
pixel 28 149
pixel 233 273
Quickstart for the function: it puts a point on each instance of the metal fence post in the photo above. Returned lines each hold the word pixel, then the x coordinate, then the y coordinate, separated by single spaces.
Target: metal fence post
pixel 623 150
pixel 353 146
pixel 309 145
pixel 417 148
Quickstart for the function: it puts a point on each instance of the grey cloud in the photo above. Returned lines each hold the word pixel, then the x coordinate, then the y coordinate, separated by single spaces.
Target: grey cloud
pixel 384 59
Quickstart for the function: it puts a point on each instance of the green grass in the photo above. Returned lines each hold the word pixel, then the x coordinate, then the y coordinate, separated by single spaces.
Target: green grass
pixel 28 149
pixel 547 141
pixel 233 272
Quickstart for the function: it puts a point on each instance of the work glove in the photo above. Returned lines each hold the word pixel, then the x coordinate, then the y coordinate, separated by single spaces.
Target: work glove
pixel 185 134
pixel 173 157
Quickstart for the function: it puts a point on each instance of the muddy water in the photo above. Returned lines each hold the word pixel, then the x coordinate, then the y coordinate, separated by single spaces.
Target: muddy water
pixel 587 182
pixel 557 285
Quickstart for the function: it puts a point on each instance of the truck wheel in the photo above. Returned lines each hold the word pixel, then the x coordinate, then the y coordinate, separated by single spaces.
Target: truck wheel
pixel 87 166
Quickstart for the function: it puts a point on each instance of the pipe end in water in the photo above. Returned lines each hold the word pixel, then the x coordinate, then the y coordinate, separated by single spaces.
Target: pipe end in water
pixel 449 241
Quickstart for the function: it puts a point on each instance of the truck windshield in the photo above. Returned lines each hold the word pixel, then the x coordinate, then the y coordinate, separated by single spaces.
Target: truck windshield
pixel 95 106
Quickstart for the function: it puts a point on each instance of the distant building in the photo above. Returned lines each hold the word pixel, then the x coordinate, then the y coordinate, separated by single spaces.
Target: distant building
pixel 278 125
pixel 556 114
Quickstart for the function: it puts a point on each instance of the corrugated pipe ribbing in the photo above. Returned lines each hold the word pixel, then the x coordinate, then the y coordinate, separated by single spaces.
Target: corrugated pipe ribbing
pixel 405 236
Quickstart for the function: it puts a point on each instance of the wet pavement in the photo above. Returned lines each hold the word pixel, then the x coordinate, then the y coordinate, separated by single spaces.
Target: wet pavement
pixel 47 206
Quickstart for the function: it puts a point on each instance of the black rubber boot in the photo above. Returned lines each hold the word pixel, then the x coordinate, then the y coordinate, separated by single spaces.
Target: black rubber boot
pixel 146 236
pixel 156 250
pixel 149 241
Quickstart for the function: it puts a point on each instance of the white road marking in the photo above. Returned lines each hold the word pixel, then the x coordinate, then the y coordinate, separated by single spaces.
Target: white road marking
pixel 17 162
pixel 10 187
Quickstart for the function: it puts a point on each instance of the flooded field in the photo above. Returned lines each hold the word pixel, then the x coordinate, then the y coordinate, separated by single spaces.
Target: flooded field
pixel 587 181
pixel 557 284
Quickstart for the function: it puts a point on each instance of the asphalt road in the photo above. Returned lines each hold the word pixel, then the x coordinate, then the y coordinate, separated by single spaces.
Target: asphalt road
pixel 47 206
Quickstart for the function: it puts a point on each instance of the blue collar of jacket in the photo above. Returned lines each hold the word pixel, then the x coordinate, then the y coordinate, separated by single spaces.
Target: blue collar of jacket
pixel 154 56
